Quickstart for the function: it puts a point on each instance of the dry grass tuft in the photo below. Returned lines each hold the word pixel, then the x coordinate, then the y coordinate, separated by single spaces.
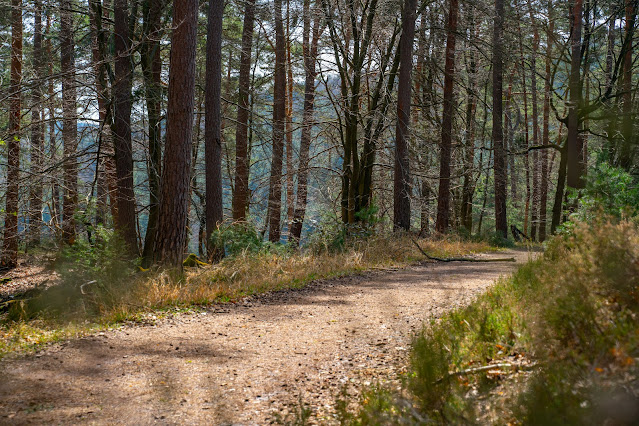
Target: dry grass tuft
pixel 248 274
pixel 129 299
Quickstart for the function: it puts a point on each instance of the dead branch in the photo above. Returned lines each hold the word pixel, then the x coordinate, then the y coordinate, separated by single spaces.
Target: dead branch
pixel 461 259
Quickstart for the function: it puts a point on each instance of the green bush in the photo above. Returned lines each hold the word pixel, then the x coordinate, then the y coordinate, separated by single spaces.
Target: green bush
pixel 609 192
pixel 242 237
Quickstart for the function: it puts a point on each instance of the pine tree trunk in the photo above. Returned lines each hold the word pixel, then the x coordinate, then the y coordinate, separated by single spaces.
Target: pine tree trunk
pixel 125 223
pixel 626 151
pixel 152 71
pixel 534 220
pixel 98 49
pixel 69 121
pixel 10 243
pixel 37 132
pixel 543 189
pixel 242 160
pixel 469 145
pixel 213 129
pixel 290 188
pixel 574 143
pixel 443 199
pixel 402 190
pixel 279 118
pixel 174 200
pixel 501 226
pixel 310 58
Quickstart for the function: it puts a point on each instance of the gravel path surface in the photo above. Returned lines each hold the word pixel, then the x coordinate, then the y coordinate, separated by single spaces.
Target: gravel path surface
pixel 241 364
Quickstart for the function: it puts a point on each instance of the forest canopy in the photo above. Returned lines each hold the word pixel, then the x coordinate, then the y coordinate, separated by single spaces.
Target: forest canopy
pixel 169 121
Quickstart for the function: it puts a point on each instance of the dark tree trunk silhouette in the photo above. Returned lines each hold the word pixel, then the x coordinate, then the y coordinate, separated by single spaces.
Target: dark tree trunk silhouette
pixel 543 189
pixel 37 131
pixel 242 160
pixel 10 243
pixel 501 226
pixel 106 180
pixel 443 200
pixel 401 192
pixel 626 150
pixel 309 48
pixel 69 120
pixel 174 200
pixel 152 71
pixel 213 129
pixel 125 221
pixel 290 186
pixel 279 117
pixel 468 187
pixel 534 217
pixel 574 142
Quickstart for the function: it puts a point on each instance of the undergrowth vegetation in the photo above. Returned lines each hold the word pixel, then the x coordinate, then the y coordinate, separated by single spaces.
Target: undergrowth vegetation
pixel 99 286
pixel 572 315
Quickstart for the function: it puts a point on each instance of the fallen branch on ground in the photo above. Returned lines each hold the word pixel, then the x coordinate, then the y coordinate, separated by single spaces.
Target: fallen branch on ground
pixel 460 259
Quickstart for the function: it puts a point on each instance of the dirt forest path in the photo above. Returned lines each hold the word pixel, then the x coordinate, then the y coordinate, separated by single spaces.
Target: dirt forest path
pixel 240 364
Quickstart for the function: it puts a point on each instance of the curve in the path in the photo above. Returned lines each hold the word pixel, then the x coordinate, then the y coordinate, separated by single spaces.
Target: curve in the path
pixel 242 364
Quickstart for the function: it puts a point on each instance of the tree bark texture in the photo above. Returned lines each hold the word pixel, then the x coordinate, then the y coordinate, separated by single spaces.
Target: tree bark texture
pixel 242 160
pixel 309 48
pixel 69 120
pixel 37 132
pixel 152 71
pixel 574 147
pixel 10 243
pixel 213 123
pixel 174 201
pixel 501 226
pixel 401 205
pixel 125 223
pixel 279 119
pixel 443 200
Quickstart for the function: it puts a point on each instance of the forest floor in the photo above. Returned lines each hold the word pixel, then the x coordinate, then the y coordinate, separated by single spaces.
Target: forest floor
pixel 244 363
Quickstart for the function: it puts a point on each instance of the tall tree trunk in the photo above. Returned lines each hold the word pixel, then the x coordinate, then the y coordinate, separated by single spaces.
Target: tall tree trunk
pixel 443 199
pixel 242 160
pixel 501 226
pixel 213 130
pixel 10 247
pixel 279 117
pixel 105 168
pixel 37 132
pixel 509 142
pixel 69 120
pixel 574 143
pixel 174 200
pixel 626 151
pixel 543 189
pixel 526 135
pixel 310 59
pixel 534 219
pixel 401 203
pixel 290 188
pixel 469 145
pixel 51 107
pixel 559 193
pixel 152 71
pixel 125 221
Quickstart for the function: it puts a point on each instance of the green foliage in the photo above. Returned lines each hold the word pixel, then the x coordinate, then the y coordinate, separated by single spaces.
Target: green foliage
pixel 610 192
pixel 333 236
pixel 573 312
pixel 92 277
pixel 242 237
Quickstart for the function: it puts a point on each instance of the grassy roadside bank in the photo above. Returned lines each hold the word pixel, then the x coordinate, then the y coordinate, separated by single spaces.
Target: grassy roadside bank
pixel 98 290
pixel 558 343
